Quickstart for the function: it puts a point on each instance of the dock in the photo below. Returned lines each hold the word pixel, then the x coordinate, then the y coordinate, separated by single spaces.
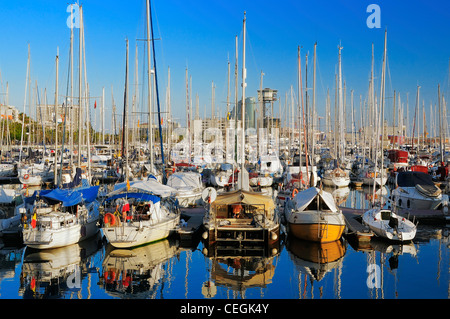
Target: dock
pixel 355 227
pixel 190 225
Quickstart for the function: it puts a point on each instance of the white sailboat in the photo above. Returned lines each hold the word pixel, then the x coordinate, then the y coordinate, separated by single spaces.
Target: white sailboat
pixel 61 217
pixel 384 222
pixel 139 212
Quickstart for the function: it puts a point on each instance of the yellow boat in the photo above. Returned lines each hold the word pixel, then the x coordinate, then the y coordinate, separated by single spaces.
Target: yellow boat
pixel 314 216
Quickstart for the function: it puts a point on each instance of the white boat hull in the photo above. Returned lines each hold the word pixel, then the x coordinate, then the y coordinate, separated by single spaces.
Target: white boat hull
pixel 336 181
pixel 139 233
pixel 406 230
pixel 414 200
pixel 54 238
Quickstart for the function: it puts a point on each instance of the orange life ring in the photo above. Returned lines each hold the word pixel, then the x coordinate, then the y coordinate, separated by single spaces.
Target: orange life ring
pixel 110 276
pixel 295 191
pixel 26 176
pixel 109 219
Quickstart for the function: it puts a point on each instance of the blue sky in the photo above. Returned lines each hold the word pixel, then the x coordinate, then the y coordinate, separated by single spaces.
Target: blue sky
pixel 200 35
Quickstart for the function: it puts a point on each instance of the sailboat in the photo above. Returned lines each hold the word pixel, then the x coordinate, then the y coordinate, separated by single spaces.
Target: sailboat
pixel 139 212
pixel 240 217
pixel 61 217
pixel 312 214
pixel 384 222
pixel 337 176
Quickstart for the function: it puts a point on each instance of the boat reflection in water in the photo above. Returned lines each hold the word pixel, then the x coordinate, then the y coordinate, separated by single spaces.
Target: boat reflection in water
pixel 50 273
pixel 315 259
pixel 239 269
pixel 10 257
pixel 138 272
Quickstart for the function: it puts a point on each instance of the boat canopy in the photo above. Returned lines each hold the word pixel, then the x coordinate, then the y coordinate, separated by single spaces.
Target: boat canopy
pixel 245 197
pixel 411 179
pixel 306 197
pixel 68 197
pixel 140 196
pixel 185 180
pixel 150 186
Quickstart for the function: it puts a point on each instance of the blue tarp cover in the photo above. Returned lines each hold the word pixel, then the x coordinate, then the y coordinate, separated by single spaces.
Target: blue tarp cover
pixel 141 196
pixel 68 197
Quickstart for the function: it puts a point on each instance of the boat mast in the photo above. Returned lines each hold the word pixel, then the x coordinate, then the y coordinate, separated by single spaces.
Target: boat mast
pixel 150 119
pixel 56 126
pixel 382 97
pixel 157 95
pixel 244 76
pixel 24 104
pixel 124 124
pixel 80 86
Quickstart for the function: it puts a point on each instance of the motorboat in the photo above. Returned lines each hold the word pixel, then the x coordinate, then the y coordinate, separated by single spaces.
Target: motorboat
pixel 416 190
pixel 386 224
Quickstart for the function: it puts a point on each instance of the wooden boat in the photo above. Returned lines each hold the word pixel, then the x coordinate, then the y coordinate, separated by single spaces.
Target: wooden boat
pixel 386 224
pixel 314 216
pixel 241 217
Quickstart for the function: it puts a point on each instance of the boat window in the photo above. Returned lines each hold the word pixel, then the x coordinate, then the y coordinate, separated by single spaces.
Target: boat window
pixel 385 215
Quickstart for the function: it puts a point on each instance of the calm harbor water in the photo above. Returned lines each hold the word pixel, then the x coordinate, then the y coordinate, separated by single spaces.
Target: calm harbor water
pixel 298 270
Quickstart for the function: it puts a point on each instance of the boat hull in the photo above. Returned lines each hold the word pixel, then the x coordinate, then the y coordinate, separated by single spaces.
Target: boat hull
pixel 55 238
pixel 139 233
pixel 336 182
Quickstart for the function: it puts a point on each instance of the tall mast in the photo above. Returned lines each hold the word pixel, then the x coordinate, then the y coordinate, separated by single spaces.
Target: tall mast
pixel 157 95
pixel 313 105
pixel 56 126
pixel 80 86
pixel 300 96
pixel 244 76
pixel 441 149
pixel 150 118
pixel 382 97
pixel 340 108
pixel 24 104
pixel 124 124
pixel 71 90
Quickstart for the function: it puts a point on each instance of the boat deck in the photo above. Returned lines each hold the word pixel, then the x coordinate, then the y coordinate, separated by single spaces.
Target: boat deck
pixel 354 224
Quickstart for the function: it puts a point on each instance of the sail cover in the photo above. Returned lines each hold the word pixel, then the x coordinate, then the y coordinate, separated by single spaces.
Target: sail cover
pixel 68 197
pixel 150 186
pixel 304 198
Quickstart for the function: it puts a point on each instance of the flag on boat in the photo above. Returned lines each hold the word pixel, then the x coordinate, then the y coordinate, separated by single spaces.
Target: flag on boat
pixel 95 104
pixel 33 221
pixel 128 185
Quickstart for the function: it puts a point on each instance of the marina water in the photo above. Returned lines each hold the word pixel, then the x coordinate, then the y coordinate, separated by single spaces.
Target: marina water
pixel 298 270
